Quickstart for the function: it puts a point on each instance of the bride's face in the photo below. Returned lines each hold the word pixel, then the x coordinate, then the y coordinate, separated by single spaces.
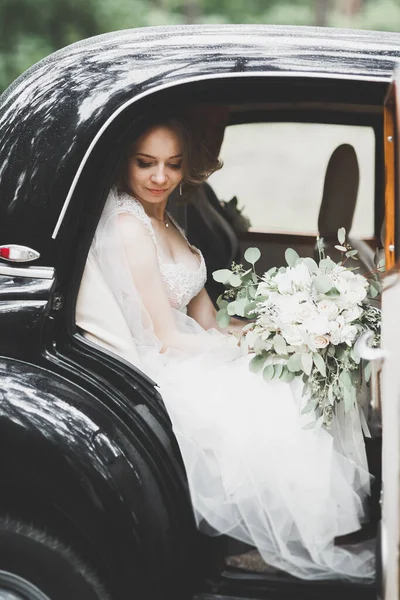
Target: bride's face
pixel 155 165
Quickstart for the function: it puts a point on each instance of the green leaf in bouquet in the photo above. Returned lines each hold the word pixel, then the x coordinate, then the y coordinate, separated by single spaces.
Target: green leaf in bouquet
pixel 310 264
pixel 333 293
pixel 252 255
pixel 223 319
pixel 327 264
pixel 341 235
pixel 271 271
pixel 310 406
pixel 352 253
pixel 235 280
pixel 367 372
pixel 222 276
pixel 291 257
pixel 286 376
pixel 247 276
pixel 322 284
pixel 257 362
pixel 372 291
pixel 306 362
pixel 278 368
pixel 241 304
pixel 268 372
pixel 279 344
pixel 345 380
pixel 221 303
pixel 231 308
pixel 252 291
pixel 248 311
pixel 319 363
pixel 294 363
pixel 354 355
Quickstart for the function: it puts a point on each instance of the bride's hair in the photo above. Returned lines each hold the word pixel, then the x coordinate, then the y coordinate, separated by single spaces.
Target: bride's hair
pixel 200 152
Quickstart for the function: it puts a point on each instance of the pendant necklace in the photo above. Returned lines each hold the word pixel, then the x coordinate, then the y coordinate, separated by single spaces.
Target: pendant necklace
pixel 164 220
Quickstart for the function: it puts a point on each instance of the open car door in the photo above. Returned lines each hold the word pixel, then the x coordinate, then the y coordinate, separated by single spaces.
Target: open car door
pixel 387 376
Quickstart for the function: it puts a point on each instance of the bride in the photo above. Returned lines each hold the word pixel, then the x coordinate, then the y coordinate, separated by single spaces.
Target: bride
pixel 254 472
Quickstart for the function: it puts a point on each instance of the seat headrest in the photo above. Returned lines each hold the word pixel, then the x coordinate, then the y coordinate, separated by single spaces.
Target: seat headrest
pixel 340 192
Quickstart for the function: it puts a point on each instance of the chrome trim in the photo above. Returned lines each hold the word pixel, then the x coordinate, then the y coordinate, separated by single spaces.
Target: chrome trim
pixel 33 272
pixel 165 86
pixel 27 254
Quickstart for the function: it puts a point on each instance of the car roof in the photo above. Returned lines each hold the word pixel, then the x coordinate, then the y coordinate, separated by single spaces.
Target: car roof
pixel 52 113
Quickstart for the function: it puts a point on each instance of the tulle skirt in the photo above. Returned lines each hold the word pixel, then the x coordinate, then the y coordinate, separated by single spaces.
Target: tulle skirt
pixel 258 475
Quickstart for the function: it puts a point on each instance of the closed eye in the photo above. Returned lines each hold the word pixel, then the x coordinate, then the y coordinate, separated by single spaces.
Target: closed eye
pixel 175 166
pixel 143 164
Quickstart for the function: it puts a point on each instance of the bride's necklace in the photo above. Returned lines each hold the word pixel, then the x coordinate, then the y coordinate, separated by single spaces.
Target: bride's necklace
pixel 164 220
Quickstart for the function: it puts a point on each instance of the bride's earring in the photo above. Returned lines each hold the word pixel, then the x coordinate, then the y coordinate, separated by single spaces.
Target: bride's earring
pixel 180 188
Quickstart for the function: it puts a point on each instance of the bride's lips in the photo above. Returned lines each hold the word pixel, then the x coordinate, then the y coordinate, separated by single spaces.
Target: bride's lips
pixel 156 192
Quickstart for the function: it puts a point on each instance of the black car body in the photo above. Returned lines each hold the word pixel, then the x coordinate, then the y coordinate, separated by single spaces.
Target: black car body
pixel 87 448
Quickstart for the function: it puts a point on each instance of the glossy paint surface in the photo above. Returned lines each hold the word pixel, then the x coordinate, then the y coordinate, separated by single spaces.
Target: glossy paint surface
pixel 51 114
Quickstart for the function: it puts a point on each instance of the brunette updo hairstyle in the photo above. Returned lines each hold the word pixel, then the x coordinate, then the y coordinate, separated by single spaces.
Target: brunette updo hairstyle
pixel 200 159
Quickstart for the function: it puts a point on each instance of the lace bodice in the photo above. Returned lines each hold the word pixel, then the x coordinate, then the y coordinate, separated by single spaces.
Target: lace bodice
pixel 181 283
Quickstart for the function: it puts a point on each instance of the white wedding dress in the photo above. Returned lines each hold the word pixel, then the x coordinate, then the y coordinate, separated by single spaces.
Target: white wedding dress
pixel 254 472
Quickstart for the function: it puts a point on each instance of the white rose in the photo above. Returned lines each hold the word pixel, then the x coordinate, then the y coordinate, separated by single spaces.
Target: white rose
pixel 328 309
pixel 321 341
pixel 318 325
pixel 352 313
pixel 292 335
pixel 301 276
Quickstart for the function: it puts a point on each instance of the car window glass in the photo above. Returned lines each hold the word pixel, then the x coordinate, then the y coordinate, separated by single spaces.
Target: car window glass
pixel 277 172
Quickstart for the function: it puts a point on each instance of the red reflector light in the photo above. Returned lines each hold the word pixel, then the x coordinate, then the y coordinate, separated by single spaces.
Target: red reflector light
pixel 5 252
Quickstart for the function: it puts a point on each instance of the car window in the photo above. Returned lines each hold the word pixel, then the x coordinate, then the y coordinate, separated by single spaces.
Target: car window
pixel 277 172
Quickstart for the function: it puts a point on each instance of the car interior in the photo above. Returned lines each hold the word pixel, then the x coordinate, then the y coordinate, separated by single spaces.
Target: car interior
pixel 326 104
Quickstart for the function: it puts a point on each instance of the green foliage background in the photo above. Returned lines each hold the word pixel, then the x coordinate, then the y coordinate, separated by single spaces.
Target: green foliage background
pixel 31 29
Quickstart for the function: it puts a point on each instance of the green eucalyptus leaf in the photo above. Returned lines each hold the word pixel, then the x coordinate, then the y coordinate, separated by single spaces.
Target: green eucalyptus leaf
pixel 319 363
pixel 310 264
pixel 327 264
pixel 333 293
pixel 350 253
pixel 341 235
pixel 286 376
pixel 231 308
pixel 252 291
pixel 257 362
pixel 306 363
pixel 235 280
pixel 222 276
pixel 294 363
pixel 252 255
pixel 241 305
pixel 291 257
pixel 268 372
pixel 271 271
pixel 221 303
pixel 372 291
pixel 248 311
pixel 278 370
pixel 322 284
pixel 279 344
pixel 348 398
pixel 223 319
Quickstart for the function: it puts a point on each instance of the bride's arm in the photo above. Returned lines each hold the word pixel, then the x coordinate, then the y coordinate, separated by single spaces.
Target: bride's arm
pixel 144 269
pixel 202 310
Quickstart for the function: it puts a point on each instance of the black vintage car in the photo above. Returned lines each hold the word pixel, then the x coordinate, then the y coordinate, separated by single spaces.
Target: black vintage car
pixel 94 502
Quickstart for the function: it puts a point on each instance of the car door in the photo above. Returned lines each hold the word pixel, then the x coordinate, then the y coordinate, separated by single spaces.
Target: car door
pixel 386 399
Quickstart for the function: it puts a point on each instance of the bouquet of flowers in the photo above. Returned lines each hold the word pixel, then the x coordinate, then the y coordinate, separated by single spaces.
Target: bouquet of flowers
pixel 306 318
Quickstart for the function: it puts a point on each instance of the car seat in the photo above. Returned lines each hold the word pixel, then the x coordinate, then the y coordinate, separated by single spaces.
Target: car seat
pixel 338 206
